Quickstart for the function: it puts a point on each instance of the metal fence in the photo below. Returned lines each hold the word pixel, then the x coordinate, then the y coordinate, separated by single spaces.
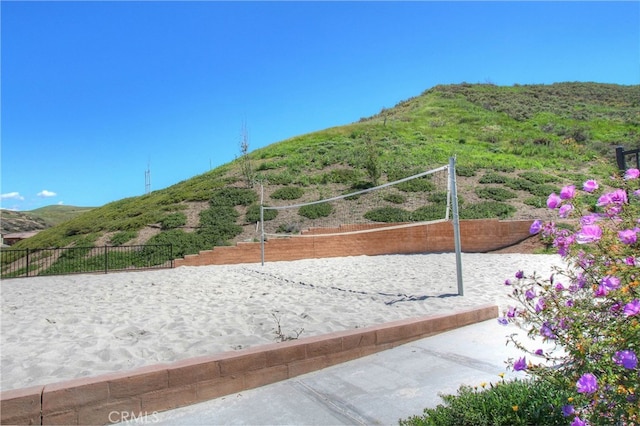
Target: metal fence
pixel 77 260
pixel 621 157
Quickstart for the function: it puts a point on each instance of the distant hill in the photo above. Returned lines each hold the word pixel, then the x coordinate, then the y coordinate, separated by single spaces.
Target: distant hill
pixel 514 145
pixel 42 218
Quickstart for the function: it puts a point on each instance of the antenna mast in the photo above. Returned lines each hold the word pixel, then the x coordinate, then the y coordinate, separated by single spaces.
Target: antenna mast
pixel 147 179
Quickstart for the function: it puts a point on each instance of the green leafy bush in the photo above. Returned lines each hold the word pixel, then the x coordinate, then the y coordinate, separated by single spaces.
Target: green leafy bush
pixel 466 171
pixel 429 212
pixel 288 193
pixel 517 402
pixel 486 210
pixel 174 220
pixel 493 178
pixel 253 214
pixel 495 193
pixel 395 198
pixel 344 176
pixel 538 177
pixel 122 237
pixel 388 215
pixel 315 211
pixel 233 197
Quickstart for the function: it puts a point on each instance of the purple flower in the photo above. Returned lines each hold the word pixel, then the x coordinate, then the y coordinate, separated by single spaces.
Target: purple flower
pixel 547 332
pixel 540 305
pixel 559 287
pixel 630 260
pixel 589 234
pixel 636 193
pixel 568 410
pixel 628 236
pixel 568 192
pixel 607 284
pixel 553 202
pixel 519 274
pixel 539 352
pixel 626 358
pixel 507 282
pixel 503 321
pixel 536 226
pixel 632 308
pixel 511 313
pixel 632 174
pixel 589 219
pixel 590 185
pixel 565 211
pixel 530 294
pixel 588 383
pixel 520 364
pixel 577 421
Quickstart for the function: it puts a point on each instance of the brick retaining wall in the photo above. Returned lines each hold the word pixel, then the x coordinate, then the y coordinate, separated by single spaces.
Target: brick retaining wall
pixel 141 392
pixel 476 236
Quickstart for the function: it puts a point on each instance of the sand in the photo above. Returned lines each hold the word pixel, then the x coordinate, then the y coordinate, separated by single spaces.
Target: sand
pixel 64 327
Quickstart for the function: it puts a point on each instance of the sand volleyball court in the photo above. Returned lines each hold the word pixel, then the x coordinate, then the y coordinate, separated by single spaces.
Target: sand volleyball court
pixel 64 327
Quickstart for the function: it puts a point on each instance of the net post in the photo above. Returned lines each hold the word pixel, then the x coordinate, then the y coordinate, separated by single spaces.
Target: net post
pixel 456 223
pixel 262 225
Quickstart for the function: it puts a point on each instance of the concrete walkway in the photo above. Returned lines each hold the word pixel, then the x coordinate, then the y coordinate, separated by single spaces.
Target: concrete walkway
pixel 378 389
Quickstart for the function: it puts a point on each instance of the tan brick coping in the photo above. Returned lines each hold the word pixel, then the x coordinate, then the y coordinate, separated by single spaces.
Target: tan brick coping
pixel 110 398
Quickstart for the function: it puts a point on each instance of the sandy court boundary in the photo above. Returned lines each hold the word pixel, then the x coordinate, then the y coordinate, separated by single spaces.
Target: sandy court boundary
pixel 66 327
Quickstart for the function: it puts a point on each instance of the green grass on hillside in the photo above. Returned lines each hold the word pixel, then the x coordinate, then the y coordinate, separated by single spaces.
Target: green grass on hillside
pixel 522 141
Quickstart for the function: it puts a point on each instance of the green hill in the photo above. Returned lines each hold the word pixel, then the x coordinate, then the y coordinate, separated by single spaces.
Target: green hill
pixel 42 218
pixel 514 145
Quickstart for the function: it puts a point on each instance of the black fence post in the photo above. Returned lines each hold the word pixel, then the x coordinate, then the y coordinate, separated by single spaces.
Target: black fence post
pixel 620 158
pixel 27 263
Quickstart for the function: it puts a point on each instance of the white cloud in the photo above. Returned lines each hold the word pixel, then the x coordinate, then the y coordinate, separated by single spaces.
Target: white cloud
pixel 60 203
pixel 44 194
pixel 12 196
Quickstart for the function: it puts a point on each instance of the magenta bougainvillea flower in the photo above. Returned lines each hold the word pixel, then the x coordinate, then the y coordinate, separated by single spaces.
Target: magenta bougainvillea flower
pixel 554 201
pixel 626 358
pixel 536 226
pixel 628 236
pixel 568 192
pixel 590 185
pixel 565 211
pixel 577 421
pixel 520 364
pixel 632 308
pixel 588 383
pixel 588 234
pixel 607 284
pixel 632 174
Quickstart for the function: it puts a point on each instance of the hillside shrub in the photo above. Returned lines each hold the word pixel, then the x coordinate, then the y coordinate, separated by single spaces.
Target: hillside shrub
pixel 493 178
pixel 233 197
pixel 496 193
pixel 538 202
pixel 288 193
pixel 388 215
pixel 438 197
pixel 183 243
pixel 487 210
pixel 122 237
pixel 542 189
pixel 395 198
pixel 429 212
pixel 253 214
pixel 466 171
pixel 538 177
pixel 343 176
pixel 315 211
pixel 174 220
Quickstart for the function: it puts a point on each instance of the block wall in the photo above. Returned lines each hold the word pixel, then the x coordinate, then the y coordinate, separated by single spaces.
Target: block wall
pixel 476 236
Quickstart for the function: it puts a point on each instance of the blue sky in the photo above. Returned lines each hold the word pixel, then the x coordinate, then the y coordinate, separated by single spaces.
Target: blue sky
pixel 94 92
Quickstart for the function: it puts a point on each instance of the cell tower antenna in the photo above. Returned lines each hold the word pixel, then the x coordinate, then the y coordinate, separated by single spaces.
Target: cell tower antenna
pixel 147 178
